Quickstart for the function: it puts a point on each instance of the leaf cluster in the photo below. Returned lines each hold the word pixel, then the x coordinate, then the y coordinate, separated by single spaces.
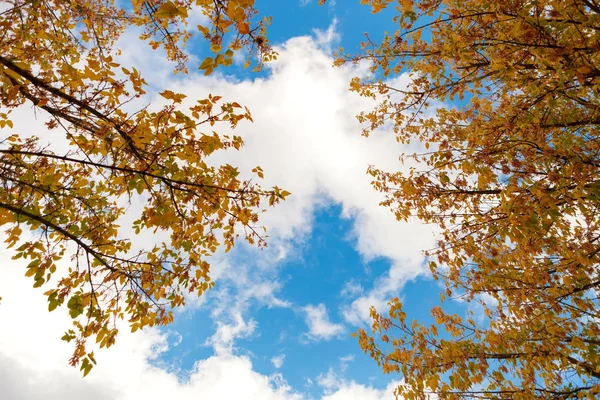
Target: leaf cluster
pixel 510 176
pixel 63 210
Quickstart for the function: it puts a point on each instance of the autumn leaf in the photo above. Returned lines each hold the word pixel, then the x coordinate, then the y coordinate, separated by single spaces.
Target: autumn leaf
pixel 168 10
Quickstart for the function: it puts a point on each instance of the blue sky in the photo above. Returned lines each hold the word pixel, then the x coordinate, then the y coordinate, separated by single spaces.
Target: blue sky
pixel 278 323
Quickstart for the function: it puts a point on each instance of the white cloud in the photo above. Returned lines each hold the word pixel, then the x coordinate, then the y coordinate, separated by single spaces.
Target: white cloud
pixel 347 359
pixel 319 326
pixel 344 361
pixel 329 381
pixel 231 377
pixel 326 39
pixel 337 388
pixel 351 289
pixel 358 311
pixel 356 391
pixel 226 333
pixel 277 361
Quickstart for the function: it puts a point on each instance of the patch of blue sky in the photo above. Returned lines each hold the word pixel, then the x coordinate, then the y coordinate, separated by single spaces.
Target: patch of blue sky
pixel 297 18
pixel 317 276
pixel 328 261
pixel 293 18
pixel 187 342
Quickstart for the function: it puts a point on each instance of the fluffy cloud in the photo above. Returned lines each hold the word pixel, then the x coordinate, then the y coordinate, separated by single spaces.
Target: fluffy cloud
pixel 319 326
pixel 355 391
pixel 277 361
pixel 337 388
pixel 344 361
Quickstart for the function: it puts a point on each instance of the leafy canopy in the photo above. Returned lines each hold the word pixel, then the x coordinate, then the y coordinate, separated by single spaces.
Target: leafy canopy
pixel 510 176
pixel 66 207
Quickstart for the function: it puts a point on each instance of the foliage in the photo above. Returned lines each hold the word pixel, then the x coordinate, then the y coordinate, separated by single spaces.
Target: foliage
pixel 510 176
pixel 59 57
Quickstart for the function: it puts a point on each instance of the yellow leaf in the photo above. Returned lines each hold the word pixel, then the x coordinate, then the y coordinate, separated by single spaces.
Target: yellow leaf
pixel 167 10
pixel 207 63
